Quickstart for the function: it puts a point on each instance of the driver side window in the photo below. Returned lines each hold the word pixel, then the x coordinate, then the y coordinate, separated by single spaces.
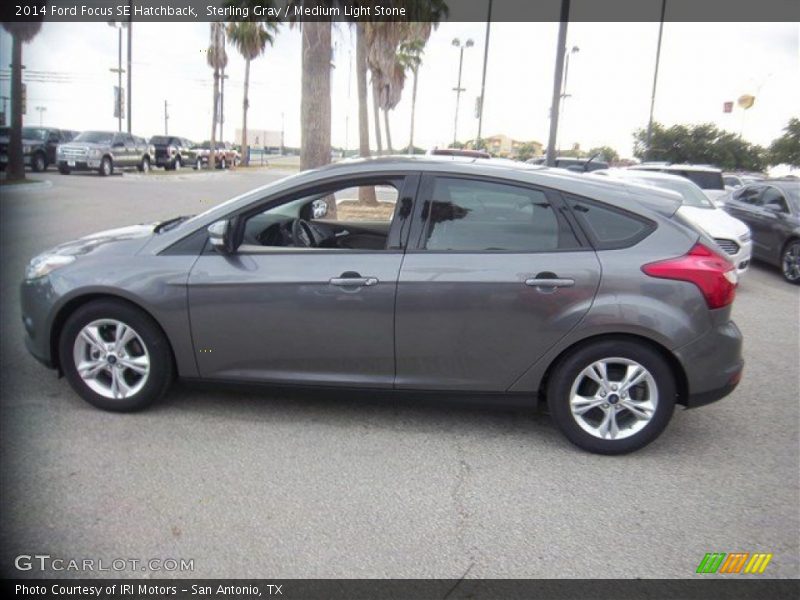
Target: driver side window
pixel 353 215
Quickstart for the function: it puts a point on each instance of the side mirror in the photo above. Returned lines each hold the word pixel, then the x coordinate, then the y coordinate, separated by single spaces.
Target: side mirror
pixel 319 208
pixel 220 236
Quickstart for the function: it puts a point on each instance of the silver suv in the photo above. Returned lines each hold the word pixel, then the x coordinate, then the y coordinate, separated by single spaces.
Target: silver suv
pixel 407 275
pixel 103 151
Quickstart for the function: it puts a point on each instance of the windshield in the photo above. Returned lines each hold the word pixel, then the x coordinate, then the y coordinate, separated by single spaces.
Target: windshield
pixel 691 194
pixel 161 140
pixel 34 133
pixel 707 180
pixel 94 137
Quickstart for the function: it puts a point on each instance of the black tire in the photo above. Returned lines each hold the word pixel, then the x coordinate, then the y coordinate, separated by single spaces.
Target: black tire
pixel 567 372
pixel 106 167
pixel 790 268
pixel 144 166
pixel 39 162
pixel 177 164
pixel 161 371
pixel 64 170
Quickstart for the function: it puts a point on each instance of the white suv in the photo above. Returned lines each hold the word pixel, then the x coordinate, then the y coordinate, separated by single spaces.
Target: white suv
pixel 707 178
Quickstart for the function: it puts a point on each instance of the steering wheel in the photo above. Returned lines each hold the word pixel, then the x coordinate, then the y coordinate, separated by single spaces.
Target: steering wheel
pixel 303 234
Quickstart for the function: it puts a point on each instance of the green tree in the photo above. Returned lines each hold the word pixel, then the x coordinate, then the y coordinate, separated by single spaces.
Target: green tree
pixel 250 38
pixel 21 33
pixel 786 149
pixel 525 151
pixel 217 59
pixel 606 153
pixel 700 144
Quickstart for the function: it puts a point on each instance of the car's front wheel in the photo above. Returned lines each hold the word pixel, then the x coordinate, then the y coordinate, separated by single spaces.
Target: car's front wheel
pixel 115 356
pixel 106 166
pixel 177 165
pixel 144 166
pixel 198 164
pixel 39 162
pixel 790 262
pixel 612 396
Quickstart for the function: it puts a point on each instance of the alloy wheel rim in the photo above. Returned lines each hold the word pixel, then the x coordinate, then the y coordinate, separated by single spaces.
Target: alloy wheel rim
pixel 107 167
pixel 111 358
pixel 791 262
pixel 613 398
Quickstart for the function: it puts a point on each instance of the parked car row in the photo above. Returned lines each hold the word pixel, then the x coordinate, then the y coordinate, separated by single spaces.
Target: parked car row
pixel 109 151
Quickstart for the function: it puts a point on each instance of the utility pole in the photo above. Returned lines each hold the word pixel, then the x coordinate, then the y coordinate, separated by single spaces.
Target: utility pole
pixel 166 118
pixel 478 142
pixel 119 71
pixel 283 149
pixel 561 50
pixel 655 79
pixel 458 89
pixel 130 71
pixel 41 110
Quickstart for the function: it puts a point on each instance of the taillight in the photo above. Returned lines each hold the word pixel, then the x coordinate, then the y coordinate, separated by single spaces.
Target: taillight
pixel 712 273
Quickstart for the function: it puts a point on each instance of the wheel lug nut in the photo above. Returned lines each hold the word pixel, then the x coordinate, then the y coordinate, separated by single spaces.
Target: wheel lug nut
pixel 602 393
pixel 614 388
pixel 605 405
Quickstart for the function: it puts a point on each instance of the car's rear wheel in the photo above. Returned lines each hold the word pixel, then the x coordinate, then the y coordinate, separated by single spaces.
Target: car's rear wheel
pixel 198 164
pixel 790 262
pixel 177 165
pixel 39 162
pixel 106 166
pixel 612 396
pixel 115 356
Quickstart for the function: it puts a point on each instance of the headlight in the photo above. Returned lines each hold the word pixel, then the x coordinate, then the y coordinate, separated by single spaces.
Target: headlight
pixel 47 263
pixel 745 237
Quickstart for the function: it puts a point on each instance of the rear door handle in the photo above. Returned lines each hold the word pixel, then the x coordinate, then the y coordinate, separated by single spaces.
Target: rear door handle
pixel 354 281
pixel 550 282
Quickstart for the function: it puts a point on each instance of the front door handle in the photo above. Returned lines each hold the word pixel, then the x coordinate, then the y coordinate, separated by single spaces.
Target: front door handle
pixel 546 282
pixel 354 281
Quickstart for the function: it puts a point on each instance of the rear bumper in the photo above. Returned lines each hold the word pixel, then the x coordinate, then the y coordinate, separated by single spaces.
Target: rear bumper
pixel 713 364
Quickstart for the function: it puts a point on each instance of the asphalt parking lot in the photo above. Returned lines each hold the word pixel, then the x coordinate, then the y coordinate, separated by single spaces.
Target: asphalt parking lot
pixel 250 483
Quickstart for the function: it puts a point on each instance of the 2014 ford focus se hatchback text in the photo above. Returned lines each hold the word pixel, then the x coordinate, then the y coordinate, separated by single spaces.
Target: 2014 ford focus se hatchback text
pixel 456 275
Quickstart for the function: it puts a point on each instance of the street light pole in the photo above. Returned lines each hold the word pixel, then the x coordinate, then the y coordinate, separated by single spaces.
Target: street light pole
pixel 119 71
pixel 655 79
pixel 564 94
pixel 478 143
pixel 561 50
pixel 223 77
pixel 130 71
pixel 41 110
pixel 458 89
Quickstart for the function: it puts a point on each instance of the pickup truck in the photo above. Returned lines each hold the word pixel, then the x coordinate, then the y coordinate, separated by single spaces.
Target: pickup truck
pixel 38 145
pixel 104 151
pixel 173 152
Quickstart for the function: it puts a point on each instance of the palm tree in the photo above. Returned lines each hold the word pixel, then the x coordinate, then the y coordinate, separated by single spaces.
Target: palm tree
pixel 410 58
pixel 251 39
pixel 366 194
pixel 217 60
pixel 382 40
pixel 21 33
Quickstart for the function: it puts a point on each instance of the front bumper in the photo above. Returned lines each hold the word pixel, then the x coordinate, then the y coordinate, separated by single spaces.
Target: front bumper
pixel 713 364
pixel 742 258
pixel 89 164
pixel 37 306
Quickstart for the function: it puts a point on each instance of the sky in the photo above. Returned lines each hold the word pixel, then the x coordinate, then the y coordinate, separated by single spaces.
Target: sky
pixel 609 81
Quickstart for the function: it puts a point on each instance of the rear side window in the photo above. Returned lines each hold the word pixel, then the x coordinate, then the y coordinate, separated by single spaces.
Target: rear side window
pixel 476 216
pixel 609 228
pixel 749 195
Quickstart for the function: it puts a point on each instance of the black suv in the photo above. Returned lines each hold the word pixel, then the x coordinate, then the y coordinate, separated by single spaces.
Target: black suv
pixel 172 152
pixel 38 145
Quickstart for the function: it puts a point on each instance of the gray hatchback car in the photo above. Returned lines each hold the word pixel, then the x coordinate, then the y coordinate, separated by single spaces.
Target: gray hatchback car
pixel 425 274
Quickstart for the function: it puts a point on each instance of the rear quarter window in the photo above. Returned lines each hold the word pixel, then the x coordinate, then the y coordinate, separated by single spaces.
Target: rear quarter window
pixel 608 227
